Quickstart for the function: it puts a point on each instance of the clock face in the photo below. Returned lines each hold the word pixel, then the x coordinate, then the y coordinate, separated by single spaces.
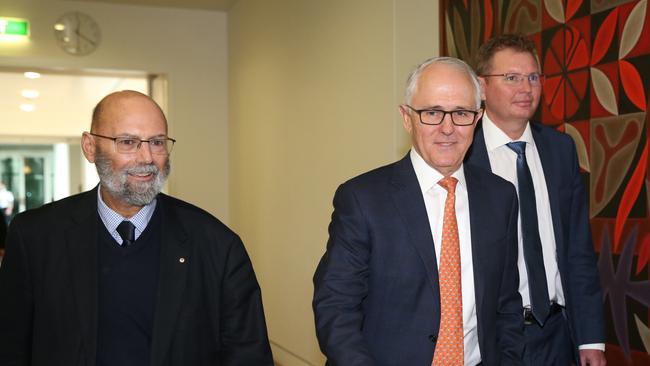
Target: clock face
pixel 77 33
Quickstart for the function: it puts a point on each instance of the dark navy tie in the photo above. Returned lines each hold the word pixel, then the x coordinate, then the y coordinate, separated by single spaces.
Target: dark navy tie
pixel 126 229
pixel 533 256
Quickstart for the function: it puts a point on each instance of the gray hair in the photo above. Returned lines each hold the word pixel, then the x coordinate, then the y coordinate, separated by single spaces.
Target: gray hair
pixel 414 77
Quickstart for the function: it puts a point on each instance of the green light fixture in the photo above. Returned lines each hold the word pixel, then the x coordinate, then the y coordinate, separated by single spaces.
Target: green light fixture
pixel 14 27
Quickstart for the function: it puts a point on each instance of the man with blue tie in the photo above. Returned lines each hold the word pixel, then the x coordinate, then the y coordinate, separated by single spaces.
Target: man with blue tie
pixel 420 267
pixel 559 281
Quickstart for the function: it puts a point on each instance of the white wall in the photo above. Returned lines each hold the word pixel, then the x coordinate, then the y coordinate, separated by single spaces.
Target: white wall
pixel 314 92
pixel 188 46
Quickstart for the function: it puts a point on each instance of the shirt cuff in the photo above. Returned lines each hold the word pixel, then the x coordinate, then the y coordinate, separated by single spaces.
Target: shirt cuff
pixel 598 346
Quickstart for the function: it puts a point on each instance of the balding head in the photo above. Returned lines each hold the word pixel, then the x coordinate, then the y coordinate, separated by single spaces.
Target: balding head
pixel 125 125
pixel 447 62
pixel 445 91
pixel 115 102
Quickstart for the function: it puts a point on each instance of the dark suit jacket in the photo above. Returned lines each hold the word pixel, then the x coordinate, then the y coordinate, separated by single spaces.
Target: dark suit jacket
pixel 377 299
pixel 575 251
pixel 208 311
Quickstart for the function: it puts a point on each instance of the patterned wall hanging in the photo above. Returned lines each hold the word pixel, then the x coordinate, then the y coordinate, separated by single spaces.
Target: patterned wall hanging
pixel 596 58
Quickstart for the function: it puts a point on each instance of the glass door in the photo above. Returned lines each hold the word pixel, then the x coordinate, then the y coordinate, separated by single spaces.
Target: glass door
pixel 28 174
pixel 35 185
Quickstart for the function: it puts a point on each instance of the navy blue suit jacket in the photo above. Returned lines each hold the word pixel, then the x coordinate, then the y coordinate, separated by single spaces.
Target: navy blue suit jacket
pixel 575 251
pixel 377 299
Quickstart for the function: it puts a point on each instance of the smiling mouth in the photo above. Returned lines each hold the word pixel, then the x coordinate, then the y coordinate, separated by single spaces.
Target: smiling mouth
pixel 446 143
pixel 141 175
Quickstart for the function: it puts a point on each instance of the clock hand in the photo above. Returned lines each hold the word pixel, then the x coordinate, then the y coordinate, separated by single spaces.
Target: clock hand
pixel 76 29
pixel 77 24
pixel 86 38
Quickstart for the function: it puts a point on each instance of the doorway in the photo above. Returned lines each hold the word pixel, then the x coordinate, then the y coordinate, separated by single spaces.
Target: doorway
pixel 42 116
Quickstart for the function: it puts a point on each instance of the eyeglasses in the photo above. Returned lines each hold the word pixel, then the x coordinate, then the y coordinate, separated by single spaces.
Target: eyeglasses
pixel 130 145
pixel 511 78
pixel 460 117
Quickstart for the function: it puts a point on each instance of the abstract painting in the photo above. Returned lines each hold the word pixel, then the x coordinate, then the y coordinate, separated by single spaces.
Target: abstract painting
pixel 596 59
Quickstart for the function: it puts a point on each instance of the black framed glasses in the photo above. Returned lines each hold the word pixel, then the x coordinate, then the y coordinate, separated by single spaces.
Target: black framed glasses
pixel 513 78
pixel 433 116
pixel 130 145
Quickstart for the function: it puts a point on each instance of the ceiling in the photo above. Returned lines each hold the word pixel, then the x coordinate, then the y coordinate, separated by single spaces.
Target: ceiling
pixel 221 5
pixel 54 114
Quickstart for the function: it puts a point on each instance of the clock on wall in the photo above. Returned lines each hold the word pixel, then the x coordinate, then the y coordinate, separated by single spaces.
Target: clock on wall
pixel 77 33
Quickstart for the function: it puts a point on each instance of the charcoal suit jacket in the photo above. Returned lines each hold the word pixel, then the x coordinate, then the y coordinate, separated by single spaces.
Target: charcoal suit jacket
pixel 208 305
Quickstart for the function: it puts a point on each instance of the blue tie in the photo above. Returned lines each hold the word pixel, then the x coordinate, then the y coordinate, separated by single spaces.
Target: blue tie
pixel 530 233
pixel 126 229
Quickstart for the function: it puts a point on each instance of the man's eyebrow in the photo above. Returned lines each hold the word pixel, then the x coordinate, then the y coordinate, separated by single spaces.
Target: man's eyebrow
pixel 456 108
pixel 129 135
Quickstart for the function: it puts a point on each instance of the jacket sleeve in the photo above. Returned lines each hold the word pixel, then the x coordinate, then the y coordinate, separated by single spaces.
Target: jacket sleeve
pixel 242 325
pixel 341 284
pixel 16 301
pixel 583 295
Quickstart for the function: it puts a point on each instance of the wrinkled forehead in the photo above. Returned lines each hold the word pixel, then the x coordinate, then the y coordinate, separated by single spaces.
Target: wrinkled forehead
pixel 445 84
pixel 131 115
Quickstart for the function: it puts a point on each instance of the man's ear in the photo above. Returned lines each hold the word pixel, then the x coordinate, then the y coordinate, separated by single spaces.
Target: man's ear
pixel 88 146
pixel 481 81
pixel 480 114
pixel 406 118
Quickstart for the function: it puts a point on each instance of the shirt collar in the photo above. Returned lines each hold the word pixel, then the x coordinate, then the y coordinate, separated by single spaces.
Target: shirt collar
pixel 112 219
pixel 495 138
pixel 429 177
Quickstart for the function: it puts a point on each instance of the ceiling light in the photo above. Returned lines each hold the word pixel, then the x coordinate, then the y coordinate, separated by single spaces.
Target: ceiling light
pixel 30 93
pixel 27 107
pixel 32 75
pixel 59 26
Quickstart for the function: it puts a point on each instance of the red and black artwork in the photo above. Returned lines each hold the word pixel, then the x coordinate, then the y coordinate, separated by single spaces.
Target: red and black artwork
pixel 596 58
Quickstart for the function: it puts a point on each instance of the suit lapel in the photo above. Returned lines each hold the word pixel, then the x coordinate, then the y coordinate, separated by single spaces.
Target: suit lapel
pixel 408 199
pixel 551 177
pixel 81 244
pixel 478 211
pixel 174 261
pixel 477 154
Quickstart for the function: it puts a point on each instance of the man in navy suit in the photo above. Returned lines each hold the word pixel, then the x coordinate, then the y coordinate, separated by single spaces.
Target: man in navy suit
pixel 569 311
pixel 381 289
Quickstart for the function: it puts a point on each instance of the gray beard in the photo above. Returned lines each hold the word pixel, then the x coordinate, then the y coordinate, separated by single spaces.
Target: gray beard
pixel 118 186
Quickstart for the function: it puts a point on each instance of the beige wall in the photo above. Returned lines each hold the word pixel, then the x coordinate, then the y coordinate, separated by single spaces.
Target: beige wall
pixel 189 47
pixel 314 89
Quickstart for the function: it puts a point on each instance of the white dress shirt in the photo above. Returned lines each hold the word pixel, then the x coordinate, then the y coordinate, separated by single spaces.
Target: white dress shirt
pixel 503 161
pixel 434 200
pixel 504 164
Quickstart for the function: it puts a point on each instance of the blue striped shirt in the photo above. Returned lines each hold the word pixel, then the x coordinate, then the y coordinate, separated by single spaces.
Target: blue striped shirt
pixel 112 219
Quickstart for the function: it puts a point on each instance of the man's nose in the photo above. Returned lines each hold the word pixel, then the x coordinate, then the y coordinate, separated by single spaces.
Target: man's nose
pixel 144 152
pixel 526 84
pixel 447 125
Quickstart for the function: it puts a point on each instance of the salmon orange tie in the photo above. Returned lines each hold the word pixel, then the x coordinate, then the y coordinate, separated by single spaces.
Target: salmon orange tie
pixel 449 346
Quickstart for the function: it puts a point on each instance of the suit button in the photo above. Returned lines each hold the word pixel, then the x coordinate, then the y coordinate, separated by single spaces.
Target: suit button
pixel 433 338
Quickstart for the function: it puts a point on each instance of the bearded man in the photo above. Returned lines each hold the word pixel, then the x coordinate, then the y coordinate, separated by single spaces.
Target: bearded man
pixel 123 274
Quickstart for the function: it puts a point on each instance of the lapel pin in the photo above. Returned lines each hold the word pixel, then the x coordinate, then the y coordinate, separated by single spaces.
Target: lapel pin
pixel 181 259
